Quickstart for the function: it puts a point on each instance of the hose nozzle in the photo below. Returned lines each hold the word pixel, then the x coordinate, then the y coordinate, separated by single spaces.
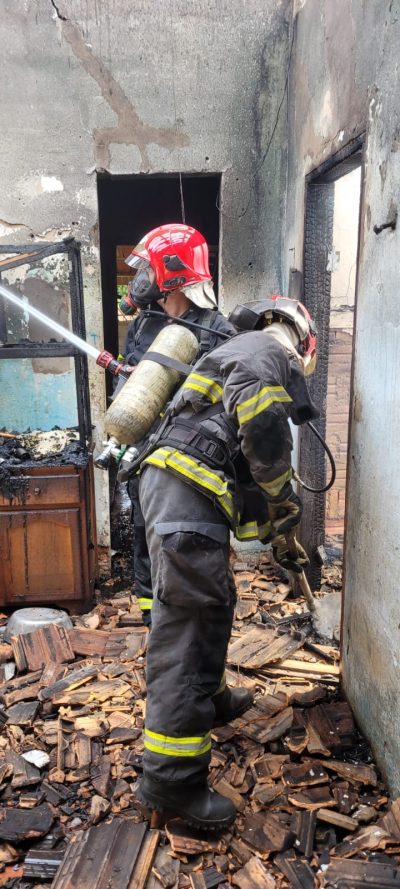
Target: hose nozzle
pixel 108 362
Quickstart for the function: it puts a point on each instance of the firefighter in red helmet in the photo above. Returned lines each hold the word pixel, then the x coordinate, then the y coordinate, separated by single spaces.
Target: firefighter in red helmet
pixel 172 279
pixel 220 464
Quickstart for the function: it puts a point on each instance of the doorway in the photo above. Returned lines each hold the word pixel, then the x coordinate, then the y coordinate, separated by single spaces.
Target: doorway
pixel 333 195
pixel 130 206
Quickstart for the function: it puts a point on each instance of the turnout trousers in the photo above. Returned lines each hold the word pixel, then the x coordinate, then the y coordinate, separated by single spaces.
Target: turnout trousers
pixel 194 600
pixel 141 558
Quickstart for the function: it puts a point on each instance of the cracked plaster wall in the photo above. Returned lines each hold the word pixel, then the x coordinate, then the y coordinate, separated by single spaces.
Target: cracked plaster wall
pixel 136 88
pixel 348 84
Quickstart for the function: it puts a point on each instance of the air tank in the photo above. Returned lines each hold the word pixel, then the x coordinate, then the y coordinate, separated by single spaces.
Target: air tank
pixel 146 392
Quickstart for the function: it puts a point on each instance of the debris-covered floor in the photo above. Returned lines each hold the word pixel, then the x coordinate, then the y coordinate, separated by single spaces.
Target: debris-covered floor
pixel 312 810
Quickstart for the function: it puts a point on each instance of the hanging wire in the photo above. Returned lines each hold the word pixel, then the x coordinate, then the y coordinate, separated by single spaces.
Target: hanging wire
pixel 183 214
pixel 182 199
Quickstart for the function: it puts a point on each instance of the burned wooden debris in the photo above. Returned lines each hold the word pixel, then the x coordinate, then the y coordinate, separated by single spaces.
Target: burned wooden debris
pixel 72 709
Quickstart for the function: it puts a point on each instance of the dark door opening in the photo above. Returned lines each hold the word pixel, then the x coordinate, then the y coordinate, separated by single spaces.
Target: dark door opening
pixel 330 267
pixel 130 206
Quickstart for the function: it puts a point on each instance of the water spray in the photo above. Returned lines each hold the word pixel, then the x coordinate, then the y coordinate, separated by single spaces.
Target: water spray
pixel 102 358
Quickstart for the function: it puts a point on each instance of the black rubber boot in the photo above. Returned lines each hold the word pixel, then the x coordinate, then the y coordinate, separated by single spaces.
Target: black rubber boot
pixel 231 703
pixel 196 804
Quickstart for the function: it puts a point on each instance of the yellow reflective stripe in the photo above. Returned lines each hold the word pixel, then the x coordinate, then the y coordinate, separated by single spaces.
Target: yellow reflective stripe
pixel 167 458
pixel 251 531
pixel 222 685
pixel 169 739
pixel 205 385
pixel 169 746
pixel 260 402
pixel 145 604
pixel 155 748
pixel 275 486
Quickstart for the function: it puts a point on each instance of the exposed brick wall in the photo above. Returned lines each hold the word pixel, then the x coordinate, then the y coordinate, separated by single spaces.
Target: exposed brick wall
pixel 340 352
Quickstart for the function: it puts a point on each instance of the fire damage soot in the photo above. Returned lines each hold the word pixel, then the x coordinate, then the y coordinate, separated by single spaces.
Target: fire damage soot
pixel 19 454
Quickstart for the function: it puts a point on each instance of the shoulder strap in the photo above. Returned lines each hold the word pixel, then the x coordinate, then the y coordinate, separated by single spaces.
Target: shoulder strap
pixel 206 335
pixel 166 361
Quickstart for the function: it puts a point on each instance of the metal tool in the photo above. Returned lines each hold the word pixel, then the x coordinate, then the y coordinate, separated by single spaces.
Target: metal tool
pixel 301 579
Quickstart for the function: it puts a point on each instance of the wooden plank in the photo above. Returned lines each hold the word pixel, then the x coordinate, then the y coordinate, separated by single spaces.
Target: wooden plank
pixel 337 819
pixel 267 793
pixel 259 647
pixel 305 669
pixel 225 789
pixel 265 833
pixel 17 825
pixel 391 821
pixel 22 714
pixel 188 841
pixel 71 681
pixel 312 798
pixel 98 859
pixel 334 724
pixel 269 767
pixel 357 773
pixel 303 824
pixel 361 874
pixel 304 774
pixel 298 872
pixel 24 774
pixel 254 874
pixel 371 837
pixel 145 860
pixel 246 606
pixel 166 871
pixel 47 645
pixel 96 692
pixel 256 726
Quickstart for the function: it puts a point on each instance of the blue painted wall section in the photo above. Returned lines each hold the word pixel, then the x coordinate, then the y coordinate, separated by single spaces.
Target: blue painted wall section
pixel 31 400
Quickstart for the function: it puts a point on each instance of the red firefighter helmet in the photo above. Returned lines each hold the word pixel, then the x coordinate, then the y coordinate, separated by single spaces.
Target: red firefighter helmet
pixel 178 254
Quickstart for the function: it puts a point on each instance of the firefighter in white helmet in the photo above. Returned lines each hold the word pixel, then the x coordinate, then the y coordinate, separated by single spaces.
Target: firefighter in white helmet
pixel 222 463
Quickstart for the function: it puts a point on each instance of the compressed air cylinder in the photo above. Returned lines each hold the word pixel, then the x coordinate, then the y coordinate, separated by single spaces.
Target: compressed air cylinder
pixel 146 392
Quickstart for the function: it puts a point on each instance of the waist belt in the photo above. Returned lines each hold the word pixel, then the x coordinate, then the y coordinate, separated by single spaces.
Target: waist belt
pixel 200 444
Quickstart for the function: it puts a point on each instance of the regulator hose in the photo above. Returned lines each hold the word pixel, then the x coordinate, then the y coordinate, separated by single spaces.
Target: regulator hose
pixel 331 460
pixel 149 313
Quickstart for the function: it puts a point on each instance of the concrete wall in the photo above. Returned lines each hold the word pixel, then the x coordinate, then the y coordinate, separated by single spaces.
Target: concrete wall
pixel 166 86
pixel 348 84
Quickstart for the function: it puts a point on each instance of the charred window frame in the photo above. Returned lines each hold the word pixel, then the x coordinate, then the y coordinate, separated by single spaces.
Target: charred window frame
pixel 32 254
pixel 318 238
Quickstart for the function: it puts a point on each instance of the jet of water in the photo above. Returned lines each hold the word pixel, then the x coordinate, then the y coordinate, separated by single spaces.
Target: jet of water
pixel 9 294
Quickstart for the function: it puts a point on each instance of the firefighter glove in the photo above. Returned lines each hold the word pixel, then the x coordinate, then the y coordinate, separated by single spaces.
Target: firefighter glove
pixel 285 514
pixel 281 555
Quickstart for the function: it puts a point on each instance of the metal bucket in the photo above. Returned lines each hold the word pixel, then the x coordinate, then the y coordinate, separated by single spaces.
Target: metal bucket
pixel 27 620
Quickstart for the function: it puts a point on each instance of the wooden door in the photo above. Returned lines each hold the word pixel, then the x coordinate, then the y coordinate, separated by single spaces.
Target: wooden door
pixel 40 560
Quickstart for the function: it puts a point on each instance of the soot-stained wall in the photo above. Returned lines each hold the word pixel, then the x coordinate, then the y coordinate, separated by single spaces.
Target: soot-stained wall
pixel 155 87
pixel 345 81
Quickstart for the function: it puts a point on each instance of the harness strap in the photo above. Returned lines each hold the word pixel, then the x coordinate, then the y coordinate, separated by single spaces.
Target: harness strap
pixel 167 361
pixel 196 439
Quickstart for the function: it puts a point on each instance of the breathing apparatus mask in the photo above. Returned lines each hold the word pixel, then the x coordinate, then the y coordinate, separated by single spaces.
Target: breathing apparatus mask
pixel 142 290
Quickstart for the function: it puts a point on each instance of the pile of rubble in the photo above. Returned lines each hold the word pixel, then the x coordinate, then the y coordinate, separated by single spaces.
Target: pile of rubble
pixel 311 808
